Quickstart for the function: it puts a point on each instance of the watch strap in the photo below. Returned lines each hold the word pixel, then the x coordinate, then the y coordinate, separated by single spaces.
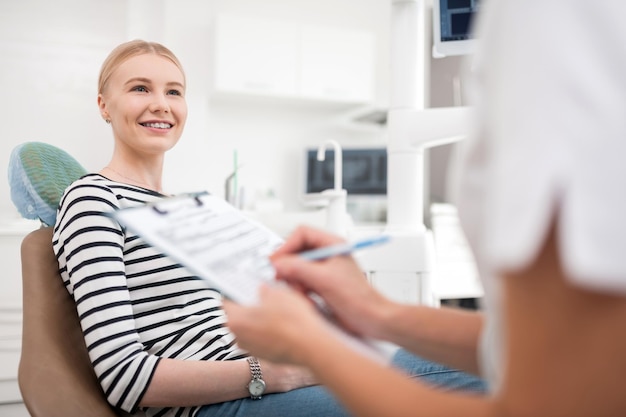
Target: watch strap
pixel 257 378
pixel 255 367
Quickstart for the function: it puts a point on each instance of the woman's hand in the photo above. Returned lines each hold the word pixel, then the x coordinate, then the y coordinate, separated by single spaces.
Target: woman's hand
pixel 286 325
pixel 279 327
pixel 339 281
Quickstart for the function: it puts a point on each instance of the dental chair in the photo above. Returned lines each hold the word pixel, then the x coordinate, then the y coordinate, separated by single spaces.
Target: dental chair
pixel 55 376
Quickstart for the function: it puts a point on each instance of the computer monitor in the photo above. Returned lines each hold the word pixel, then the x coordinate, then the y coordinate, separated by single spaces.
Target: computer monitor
pixel 364 171
pixel 452 27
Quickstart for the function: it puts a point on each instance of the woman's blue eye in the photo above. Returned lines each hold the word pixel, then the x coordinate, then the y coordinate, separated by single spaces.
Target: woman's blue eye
pixel 174 93
pixel 140 88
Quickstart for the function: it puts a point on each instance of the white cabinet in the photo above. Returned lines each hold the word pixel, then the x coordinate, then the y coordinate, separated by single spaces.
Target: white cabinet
pixel 287 59
pixel 336 64
pixel 256 56
pixel 13 410
pixel 456 275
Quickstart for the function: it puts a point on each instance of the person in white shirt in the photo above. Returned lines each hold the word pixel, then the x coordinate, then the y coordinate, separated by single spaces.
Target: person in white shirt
pixel 540 195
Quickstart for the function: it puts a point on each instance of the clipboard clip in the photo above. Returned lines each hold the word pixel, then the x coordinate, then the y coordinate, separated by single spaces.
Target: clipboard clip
pixel 179 202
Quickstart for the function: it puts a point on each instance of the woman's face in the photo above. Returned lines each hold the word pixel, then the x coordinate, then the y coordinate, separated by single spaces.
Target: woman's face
pixel 145 101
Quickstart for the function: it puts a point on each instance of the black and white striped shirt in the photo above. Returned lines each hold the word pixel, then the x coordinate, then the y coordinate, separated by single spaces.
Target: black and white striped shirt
pixel 135 304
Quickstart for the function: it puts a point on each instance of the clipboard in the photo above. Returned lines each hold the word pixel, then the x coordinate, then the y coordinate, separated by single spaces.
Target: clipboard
pixel 211 238
pixel 220 244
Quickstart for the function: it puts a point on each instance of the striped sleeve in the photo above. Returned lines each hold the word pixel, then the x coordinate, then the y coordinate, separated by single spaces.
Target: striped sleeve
pixel 89 247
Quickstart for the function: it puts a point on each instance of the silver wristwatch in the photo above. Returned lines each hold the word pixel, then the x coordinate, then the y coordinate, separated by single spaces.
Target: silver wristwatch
pixel 256 387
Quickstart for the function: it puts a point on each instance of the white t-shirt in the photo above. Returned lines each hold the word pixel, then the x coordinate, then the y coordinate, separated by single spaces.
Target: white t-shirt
pixel 549 89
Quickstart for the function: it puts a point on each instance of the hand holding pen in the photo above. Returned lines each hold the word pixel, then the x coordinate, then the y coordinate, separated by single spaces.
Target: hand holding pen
pixel 339 249
pixel 308 244
pixel 315 266
pixel 338 280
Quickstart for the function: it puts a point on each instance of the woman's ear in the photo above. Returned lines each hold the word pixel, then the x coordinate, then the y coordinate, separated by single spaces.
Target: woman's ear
pixel 103 111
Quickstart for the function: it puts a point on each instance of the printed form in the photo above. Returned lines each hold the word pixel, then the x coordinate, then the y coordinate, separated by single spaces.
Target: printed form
pixel 211 238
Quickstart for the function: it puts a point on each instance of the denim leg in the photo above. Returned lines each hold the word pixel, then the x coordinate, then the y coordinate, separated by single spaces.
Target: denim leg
pixel 304 402
pixel 319 402
pixel 436 374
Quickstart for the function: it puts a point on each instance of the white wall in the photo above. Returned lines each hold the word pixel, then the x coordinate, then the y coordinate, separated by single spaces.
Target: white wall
pixel 51 53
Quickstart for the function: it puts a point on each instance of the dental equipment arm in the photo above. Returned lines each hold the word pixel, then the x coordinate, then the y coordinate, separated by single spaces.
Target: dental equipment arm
pixel 409 259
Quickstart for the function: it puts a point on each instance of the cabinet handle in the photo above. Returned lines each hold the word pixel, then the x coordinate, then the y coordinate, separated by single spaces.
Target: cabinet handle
pixel 334 92
pixel 255 85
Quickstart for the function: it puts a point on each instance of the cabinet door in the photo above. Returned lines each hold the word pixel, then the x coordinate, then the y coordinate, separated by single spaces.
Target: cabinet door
pixel 256 56
pixel 336 64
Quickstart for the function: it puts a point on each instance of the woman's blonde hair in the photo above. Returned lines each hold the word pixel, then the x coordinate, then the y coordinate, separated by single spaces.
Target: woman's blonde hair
pixel 128 50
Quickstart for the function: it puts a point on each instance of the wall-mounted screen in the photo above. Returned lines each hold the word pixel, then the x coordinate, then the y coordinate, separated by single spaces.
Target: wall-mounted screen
pixel 452 27
pixel 364 171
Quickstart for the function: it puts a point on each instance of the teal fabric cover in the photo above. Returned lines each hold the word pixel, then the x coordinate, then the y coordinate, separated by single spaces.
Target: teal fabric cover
pixel 39 173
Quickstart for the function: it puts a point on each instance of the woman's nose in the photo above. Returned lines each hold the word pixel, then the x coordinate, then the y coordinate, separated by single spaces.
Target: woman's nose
pixel 159 104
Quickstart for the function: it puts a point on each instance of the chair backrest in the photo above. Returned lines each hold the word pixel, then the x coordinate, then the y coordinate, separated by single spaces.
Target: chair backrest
pixel 55 375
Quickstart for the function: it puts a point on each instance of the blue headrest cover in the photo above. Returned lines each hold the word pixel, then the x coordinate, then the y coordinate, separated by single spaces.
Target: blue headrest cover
pixel 39 173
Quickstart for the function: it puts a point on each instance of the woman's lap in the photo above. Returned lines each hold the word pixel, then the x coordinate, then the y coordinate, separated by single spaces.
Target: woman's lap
pixel 319 402
pixel 436 374
pixel 304 402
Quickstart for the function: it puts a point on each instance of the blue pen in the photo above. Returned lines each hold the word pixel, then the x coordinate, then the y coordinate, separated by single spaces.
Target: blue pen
pixel 343 248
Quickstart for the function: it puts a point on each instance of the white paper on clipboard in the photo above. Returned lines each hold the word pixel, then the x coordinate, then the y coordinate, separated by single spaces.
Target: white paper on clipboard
pixel 211 238
pixel 222 245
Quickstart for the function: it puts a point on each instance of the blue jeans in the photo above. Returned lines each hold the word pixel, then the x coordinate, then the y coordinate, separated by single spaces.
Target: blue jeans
pixel 319 402
pixel 437 375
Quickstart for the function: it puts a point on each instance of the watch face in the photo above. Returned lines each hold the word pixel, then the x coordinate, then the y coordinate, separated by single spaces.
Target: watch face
pixel 256 387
